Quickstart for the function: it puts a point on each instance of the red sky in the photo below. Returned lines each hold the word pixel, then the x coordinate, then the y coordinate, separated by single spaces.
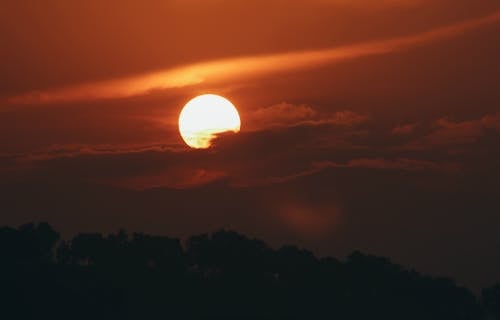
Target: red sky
pixel 369 125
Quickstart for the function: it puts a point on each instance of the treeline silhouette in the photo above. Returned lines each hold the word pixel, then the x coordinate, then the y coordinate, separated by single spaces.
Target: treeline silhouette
pixel 213 276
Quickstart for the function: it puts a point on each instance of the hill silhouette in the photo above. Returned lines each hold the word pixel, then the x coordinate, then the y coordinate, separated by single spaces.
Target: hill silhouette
pixel 213 276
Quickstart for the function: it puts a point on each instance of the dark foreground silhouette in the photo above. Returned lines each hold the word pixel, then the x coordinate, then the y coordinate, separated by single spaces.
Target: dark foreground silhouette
pixel 222 275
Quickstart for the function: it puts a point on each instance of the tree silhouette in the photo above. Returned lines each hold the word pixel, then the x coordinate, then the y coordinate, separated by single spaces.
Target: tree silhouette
pixel 491 300
pixel 218 275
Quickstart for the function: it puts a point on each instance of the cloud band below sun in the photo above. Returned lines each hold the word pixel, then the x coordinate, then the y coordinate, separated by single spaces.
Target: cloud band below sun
pixel 234 69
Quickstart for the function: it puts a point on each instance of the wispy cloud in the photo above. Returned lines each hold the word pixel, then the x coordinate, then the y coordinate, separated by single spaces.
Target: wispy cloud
pixel 449 133
pixel 376 3
pixel 398 164
pixel 403 164
pixel 76 150
pixel 291 115
pixel 405 129
pixel 240 68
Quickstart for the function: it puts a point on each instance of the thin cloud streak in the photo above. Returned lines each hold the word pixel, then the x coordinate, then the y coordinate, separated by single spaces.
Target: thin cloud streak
pixel 399 164
pixel 218 71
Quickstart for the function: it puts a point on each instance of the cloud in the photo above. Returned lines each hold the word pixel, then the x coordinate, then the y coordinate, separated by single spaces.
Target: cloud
pixel 75 150
pixel 282 114
pixel 241 68
pixel 405 129
pixel 376 3
pixel 346 118
pixel 398 164
pixel 289 115
pixel 178 177
pixel 451 133
pixel 297 142
pixel 177 165
pixel 96 163
pixel 391 164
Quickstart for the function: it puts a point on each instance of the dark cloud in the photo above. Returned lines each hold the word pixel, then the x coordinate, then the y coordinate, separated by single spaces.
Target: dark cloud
pixel 448 133
pixel 404 129
pixel 396 164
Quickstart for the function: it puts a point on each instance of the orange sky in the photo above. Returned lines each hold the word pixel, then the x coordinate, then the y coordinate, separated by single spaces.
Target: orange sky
pixel 368 125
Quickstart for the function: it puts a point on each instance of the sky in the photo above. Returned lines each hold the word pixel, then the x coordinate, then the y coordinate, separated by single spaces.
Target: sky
pixel 365 125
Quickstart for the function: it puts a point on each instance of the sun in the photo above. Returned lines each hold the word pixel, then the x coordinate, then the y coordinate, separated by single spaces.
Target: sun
pixel 205 116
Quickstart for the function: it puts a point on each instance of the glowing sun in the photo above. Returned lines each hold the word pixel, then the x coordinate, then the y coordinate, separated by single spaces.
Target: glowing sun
pixel 204 117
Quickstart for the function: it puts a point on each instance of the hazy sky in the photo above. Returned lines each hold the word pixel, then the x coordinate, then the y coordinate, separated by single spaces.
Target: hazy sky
pixel 371 125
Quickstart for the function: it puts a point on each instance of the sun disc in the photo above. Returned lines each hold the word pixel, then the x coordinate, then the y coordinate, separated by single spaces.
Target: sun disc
pixel 205 116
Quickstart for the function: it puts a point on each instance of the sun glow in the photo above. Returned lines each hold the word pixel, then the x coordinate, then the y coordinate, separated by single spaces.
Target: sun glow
pixel 204 117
